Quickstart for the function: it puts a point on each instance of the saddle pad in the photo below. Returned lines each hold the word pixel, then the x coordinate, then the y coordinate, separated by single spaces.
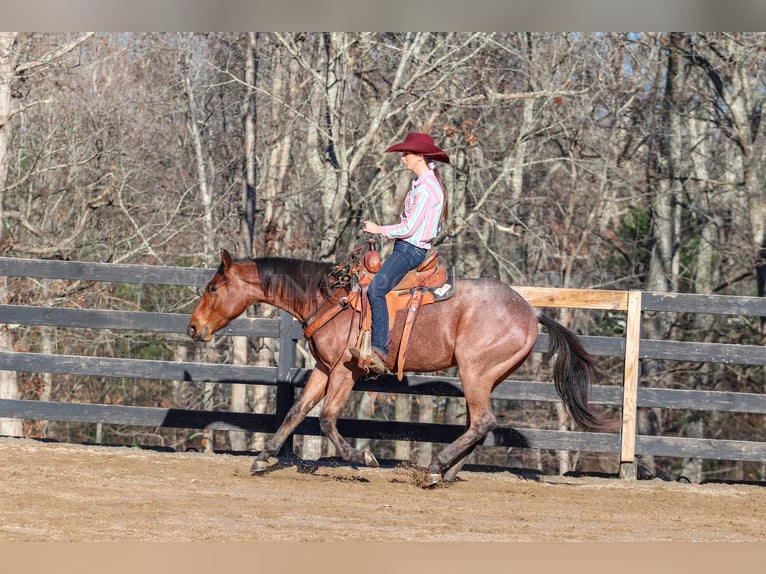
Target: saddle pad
pixel 398 299
pixel 444 292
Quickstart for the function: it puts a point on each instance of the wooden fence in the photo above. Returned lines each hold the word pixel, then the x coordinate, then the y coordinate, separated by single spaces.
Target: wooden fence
pixel 288 379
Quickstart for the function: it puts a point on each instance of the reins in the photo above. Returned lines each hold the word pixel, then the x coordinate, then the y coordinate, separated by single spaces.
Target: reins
pixel 341 280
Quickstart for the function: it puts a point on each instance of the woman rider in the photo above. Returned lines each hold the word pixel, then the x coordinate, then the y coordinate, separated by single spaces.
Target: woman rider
pixel 425 211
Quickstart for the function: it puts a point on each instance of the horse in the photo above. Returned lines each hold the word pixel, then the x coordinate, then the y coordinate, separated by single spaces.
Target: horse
pixel 486 329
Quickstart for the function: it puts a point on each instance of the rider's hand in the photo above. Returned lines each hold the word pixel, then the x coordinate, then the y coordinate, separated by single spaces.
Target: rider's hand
pixel 371 227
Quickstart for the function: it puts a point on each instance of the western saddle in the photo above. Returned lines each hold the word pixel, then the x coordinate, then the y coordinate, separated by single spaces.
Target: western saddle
pixel 348 284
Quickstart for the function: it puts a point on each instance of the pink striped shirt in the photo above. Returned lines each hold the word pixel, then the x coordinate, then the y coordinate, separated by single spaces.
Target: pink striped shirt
pixel 423 206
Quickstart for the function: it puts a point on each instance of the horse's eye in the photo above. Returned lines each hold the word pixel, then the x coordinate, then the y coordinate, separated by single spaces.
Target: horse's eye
pixel 212 288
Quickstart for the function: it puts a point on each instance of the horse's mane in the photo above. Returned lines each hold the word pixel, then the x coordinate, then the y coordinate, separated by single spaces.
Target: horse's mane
pixel 293 278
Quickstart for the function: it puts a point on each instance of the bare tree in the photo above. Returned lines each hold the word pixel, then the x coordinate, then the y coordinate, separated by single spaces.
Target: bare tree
pixel 732 66
pixel 8 57
pixel 12 71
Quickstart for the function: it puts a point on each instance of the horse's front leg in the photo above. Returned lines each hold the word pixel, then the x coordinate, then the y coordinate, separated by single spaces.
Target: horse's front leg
pixel 312 393
pixel 338 390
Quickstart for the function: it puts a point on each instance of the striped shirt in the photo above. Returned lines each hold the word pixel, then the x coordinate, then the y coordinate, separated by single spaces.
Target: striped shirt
pixel 423 206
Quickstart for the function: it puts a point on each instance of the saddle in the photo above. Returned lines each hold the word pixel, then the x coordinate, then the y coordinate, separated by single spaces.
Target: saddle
pixel 429 283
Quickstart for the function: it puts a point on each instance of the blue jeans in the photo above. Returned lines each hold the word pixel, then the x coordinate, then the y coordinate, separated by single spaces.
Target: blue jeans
pixel 404 258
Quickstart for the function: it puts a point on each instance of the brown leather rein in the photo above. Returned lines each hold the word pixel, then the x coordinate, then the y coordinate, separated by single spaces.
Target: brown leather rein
pixel 339 280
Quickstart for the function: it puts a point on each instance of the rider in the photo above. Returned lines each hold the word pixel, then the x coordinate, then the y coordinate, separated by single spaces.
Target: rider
pixel 425 210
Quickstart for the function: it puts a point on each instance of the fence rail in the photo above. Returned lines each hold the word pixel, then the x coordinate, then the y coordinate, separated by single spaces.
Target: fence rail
pixel 288 379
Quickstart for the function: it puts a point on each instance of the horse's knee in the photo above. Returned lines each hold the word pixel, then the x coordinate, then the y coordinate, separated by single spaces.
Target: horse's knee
pixel 297 410
pixel 326 423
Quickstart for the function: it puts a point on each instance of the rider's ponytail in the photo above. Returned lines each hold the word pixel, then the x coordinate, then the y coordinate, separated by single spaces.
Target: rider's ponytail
pixel 445 209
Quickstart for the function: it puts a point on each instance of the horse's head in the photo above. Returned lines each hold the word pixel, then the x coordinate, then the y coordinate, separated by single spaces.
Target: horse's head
pixel 225 297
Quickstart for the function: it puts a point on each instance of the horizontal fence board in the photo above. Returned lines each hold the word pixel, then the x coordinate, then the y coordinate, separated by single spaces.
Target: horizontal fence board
pixel 707 304
pixel 546 392
pixel 137 368
pixel 176 323
pixel 702 400
pixel 439 433
pixel 106 272
pixel 701 448
pixel 128 320
pixel 554 440
pixel 411 384
pixel 597 346
pixel 419 384
pixel 543 391
pixel 603 346
pixel 703 352
pixel 138 416
pixel 580 298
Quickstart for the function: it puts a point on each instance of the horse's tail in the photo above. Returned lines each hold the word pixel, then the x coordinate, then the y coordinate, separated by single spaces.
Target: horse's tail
pixel 573 372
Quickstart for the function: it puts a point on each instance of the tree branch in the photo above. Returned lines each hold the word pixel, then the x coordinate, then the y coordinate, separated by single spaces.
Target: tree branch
pixel 50 58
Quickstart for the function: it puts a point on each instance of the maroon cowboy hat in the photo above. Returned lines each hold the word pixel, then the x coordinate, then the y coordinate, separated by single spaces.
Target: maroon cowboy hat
pixel 421 143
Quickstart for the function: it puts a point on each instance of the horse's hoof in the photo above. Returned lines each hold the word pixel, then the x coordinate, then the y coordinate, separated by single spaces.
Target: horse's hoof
pixel 262 465
pixel 432 479
pixel 370 460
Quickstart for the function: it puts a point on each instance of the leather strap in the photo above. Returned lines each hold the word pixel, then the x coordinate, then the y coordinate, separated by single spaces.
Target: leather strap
pixel 413 306
pixel 326 311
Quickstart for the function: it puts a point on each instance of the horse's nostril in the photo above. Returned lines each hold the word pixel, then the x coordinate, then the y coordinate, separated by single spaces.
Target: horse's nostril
pixel 191 331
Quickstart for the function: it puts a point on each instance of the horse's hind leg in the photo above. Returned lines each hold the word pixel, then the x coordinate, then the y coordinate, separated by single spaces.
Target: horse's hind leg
pixel 485 358
pixel 451 473
pixel 450 460
pixel 478 382
pixel 312 393
pixel 338 391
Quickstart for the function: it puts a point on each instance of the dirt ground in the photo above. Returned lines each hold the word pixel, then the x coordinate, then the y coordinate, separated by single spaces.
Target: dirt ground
pixel 64 492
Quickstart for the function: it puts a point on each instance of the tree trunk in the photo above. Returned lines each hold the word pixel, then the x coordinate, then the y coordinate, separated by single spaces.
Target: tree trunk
pixel 238 439
pixel 705 274
pixel 249 203
pixel 403 407
pixel 261 394
pixel 9 388
pixel 206 198
pixel 425 415
pixel 364 412
pixel 205 193
pixel 311 446
pixel 663 265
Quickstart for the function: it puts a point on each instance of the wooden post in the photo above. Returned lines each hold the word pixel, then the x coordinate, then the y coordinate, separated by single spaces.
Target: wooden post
pixel 285 366
pixel 630 387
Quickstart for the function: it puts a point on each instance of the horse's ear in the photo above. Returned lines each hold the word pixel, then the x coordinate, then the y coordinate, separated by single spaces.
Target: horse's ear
pixel 225 259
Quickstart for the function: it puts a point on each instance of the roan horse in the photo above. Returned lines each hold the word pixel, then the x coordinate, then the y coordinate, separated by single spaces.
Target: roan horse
pixel 486 328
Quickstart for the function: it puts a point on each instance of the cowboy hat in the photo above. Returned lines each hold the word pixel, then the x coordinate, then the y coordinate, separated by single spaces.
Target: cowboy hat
pixel 421 143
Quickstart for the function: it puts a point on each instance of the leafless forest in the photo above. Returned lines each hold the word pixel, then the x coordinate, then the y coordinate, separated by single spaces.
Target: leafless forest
pixel 618 161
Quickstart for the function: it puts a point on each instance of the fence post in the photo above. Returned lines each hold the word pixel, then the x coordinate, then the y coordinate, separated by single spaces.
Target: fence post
pixel 630 387
pixel 285 365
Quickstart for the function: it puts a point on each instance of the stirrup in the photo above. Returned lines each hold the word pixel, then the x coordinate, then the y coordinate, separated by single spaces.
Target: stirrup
pixel 377 364
pixel 371 362
pixel 356 352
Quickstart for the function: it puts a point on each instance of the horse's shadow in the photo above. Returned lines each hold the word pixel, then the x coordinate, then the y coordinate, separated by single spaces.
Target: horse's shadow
pixel 397 467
